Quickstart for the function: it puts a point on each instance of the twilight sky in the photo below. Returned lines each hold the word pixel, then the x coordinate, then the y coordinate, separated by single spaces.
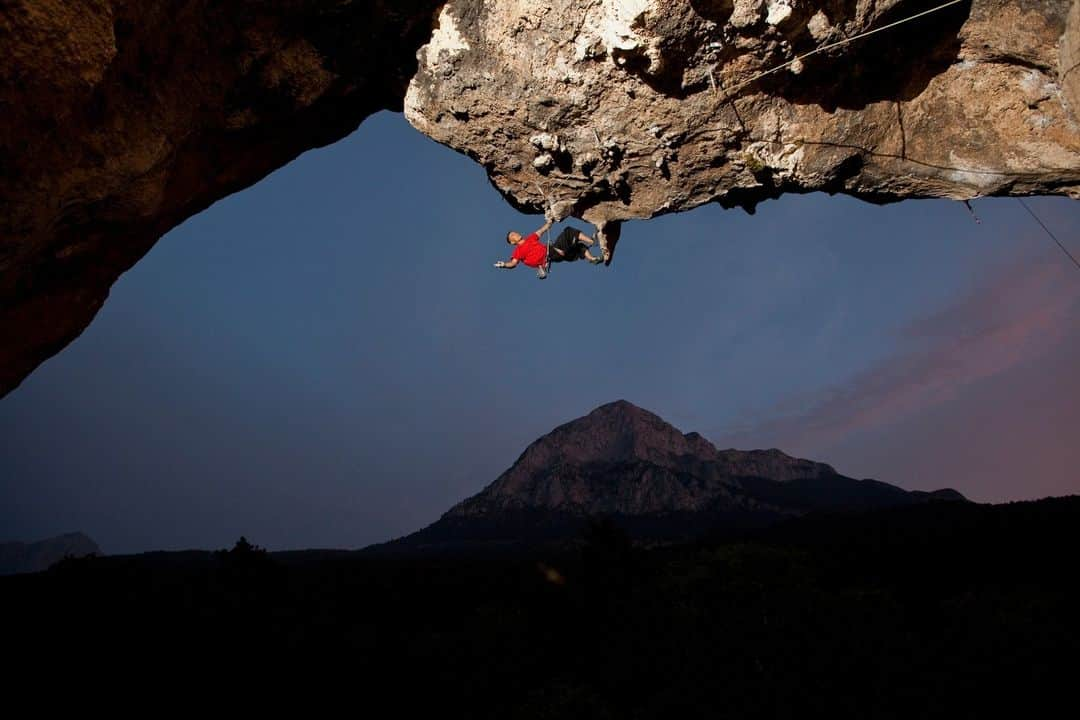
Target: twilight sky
pixel 328 359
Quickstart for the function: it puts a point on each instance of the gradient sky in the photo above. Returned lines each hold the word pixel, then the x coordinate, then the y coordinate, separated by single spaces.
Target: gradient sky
pixel 328 359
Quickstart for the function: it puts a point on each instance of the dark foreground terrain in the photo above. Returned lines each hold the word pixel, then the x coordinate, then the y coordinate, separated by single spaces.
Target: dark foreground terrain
pixel 937 610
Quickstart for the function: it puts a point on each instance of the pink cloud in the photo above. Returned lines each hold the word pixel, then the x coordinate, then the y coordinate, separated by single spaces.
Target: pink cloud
pixel 1015 317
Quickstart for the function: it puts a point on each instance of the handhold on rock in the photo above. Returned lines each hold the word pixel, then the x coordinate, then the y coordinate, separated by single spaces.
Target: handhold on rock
pixel 745 14
pixel 588 162
pixel 548 142
pixel 819 26
pixel 544 162
pixel 660 162
pixel 612 153
pixel 779 11
pixel 560 210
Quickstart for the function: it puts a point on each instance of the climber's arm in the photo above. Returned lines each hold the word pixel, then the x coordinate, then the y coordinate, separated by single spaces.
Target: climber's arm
pixel 507 264
pixel 544 229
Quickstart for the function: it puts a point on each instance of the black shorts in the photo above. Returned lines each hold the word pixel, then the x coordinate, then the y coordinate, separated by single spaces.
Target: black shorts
pixel 569 244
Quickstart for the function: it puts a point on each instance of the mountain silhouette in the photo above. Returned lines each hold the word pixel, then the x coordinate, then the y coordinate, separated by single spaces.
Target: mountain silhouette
pixel 18 557
pixel 623 462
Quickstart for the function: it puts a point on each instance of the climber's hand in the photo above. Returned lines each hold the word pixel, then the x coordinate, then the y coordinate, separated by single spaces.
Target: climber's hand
pixel 500 264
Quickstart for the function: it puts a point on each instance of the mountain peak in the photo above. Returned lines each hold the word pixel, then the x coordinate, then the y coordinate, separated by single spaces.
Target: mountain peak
pixel 623 413
pixel 618 431
pixel 625 461
pixel 620 407
pixel 619 456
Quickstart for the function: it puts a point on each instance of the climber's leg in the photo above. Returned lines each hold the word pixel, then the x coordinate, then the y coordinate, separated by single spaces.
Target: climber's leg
pixel 564 247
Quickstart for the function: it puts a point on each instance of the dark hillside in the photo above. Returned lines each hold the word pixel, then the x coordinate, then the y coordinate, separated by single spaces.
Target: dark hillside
pixel 939 610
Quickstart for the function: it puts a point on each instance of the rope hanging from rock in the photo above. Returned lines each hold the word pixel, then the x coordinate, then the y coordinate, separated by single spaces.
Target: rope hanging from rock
pixel 547 235
pixel 799 58
pixel 797 61
pixel 1048 232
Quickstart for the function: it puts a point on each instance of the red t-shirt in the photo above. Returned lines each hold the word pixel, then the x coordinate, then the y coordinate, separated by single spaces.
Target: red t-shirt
pixel 531 251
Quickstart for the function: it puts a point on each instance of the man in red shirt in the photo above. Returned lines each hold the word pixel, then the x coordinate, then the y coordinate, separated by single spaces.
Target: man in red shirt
pixel 572 244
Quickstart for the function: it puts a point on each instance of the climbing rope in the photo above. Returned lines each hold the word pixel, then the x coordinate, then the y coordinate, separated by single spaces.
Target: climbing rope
pixel 546 268
pixel 1048 232
pixel 729 93
pixel 799 58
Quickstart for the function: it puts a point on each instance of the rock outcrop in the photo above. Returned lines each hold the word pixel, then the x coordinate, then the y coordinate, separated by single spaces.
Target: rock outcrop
pixel 119 119
pixel 558 472
pixel 624 462
pixel 620 109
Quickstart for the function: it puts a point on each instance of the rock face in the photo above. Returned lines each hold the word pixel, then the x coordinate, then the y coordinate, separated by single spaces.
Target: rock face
pixel 119 119
pixel 622 461
pixel 17 557
pixel 654 107
pixel 648 461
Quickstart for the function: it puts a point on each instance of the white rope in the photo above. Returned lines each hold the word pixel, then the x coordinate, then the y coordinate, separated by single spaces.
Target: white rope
pixel 547 233
pixel 838 43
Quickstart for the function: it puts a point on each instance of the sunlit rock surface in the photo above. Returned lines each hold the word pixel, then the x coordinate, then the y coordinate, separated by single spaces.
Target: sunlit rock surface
pixel 649 103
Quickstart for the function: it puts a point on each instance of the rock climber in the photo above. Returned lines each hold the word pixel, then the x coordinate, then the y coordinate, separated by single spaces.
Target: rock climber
pixel 572 244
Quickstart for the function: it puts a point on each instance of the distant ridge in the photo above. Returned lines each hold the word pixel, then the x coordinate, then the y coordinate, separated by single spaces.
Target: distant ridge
pixel 17 557
pixel 626 463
